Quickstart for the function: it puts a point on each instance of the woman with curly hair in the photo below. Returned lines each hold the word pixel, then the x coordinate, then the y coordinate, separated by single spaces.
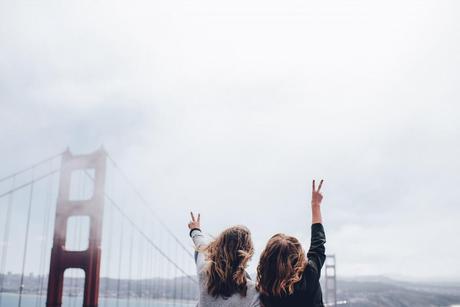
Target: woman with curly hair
pixel 221 267
pixel 286 277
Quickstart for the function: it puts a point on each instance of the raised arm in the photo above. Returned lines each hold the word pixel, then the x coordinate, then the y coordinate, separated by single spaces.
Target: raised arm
pixel 316 254
pixel 198 239
pixel 316 198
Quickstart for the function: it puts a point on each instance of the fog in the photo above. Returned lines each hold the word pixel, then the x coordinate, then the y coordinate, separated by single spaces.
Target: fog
pixel 230 109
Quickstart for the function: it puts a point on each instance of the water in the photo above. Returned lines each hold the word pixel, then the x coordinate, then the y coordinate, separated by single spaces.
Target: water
pixel 11 300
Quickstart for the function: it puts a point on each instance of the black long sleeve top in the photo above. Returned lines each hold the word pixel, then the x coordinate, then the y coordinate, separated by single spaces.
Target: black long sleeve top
pixel 307 292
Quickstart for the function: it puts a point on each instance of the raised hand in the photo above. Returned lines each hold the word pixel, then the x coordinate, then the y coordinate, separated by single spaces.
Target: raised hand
pixel 195 223
pixel 316 196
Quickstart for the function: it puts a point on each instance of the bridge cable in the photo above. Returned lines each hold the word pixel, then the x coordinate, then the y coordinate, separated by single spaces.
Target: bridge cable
pixel 140 262
pixel 9 210
pixel 109 252
pixel 45 236
pixel 154 285
pixel 175 280
pixel 149 240
pixel 130 265
pixel 31 167
pixel 119 261
pixel 151 280
pixel 6 238
pixel 26 243
pixel 148 206
pixel 31 182
pixel 143 234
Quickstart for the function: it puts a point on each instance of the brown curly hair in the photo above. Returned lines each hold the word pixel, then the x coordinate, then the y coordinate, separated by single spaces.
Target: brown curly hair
pixel 228 256
pixel 281 266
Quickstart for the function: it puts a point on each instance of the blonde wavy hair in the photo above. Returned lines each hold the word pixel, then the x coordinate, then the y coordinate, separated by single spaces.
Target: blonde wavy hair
pixel 228 256
pixel 281 266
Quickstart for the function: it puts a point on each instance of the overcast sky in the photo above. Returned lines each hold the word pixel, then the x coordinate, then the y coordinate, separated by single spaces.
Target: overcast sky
pixel 230 108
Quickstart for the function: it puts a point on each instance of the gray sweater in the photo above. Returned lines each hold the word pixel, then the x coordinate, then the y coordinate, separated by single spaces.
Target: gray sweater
pixel 206 300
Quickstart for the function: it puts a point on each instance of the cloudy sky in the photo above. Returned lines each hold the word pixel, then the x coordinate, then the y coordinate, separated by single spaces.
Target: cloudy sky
pixel 231 108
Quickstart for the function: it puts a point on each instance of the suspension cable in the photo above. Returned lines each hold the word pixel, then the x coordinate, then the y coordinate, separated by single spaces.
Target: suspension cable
pixel 143 234
pixel 130 265
pixel 31 182
pixel 6 238
pixel 45 240
pixel 148 206
pixel 147 238
pixel 26 243
pixel 140 262
pixel 107 282
pixel 31 167
pixel 120 256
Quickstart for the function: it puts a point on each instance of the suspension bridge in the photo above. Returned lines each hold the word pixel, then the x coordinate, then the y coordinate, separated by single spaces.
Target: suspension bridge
pixel 93 206
pixel 75 231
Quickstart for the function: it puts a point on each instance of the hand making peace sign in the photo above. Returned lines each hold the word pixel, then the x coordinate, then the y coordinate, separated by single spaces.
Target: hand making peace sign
pixel 316 196
pixel 194 223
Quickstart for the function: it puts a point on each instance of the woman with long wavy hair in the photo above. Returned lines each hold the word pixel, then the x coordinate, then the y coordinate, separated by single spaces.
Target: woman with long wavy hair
pixel 221 267
pixel 286 277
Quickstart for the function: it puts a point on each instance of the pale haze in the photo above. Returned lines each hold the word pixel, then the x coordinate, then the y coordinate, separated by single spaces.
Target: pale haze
pixel 231 108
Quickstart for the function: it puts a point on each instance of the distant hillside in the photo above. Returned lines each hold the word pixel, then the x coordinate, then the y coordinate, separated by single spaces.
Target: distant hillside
pixel 383 292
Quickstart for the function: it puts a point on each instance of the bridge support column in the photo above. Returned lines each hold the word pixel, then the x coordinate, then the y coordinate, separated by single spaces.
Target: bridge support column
pixel 330 281
pixel 88 260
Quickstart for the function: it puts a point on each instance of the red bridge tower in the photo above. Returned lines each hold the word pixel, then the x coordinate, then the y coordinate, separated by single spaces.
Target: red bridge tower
pixel 88 260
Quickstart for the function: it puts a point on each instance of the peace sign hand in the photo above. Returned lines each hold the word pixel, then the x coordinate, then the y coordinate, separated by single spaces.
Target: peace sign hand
pixel 316 196
pixel 195 223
